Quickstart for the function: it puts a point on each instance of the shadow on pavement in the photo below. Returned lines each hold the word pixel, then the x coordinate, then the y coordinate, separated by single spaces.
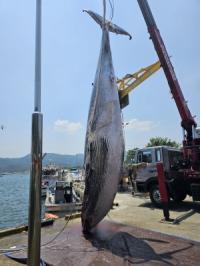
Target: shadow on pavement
pixel 132 249
pixel 116 244
pixel 179 207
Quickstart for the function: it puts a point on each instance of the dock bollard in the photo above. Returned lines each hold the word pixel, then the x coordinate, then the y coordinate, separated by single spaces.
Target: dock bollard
pixel 163 191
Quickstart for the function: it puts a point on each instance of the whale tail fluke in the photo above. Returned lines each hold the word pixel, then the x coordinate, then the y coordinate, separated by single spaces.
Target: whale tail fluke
pixel 110 26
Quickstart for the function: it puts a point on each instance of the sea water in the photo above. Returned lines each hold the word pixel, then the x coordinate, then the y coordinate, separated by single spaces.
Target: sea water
pixel 14 199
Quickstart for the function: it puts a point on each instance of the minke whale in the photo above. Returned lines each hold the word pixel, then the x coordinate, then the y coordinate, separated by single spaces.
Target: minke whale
pixel 104 143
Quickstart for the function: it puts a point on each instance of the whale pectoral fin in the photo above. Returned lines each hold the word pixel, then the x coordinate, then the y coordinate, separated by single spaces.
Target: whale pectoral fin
pixel 110 26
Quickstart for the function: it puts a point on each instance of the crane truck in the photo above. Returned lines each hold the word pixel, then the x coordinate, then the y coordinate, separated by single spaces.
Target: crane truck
pixel 182 166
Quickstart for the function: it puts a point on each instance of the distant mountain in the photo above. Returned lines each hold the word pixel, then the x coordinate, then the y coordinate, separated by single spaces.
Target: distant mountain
pixel 23 163
pixel 63 160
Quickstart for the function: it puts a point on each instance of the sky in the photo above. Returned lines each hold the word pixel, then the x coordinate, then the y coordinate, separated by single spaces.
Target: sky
pixel 70 50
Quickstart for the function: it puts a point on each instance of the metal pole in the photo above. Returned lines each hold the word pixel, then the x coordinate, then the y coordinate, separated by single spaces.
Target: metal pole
pixel 163 191
pixel 37 103
pixel 34 228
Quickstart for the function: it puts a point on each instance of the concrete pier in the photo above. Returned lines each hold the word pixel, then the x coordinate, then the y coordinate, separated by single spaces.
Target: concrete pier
pixel 131 233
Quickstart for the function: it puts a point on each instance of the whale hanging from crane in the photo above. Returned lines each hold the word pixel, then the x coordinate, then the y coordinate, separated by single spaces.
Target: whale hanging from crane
pixel 104 144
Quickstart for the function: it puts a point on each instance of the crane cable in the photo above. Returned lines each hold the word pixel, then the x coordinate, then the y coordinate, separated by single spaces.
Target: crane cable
pixel 112 7
pixel 104 13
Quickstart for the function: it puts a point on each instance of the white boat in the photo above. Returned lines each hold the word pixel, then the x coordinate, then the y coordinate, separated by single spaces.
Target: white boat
pixel 62 198
pixel 44 188
pixel 77 174
pixel 50 174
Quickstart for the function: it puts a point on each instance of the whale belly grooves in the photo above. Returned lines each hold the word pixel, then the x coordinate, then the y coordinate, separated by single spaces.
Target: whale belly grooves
pixel 95 174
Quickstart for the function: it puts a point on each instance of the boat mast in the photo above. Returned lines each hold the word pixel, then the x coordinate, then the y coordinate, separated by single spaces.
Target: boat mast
pixel 34 228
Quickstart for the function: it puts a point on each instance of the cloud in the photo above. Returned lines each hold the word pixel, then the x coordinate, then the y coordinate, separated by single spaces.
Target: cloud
pixel 67 126
pixel 140 125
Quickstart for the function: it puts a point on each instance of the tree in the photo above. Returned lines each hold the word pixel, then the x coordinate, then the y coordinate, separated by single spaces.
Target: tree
pixel 159 141
pixel 130 156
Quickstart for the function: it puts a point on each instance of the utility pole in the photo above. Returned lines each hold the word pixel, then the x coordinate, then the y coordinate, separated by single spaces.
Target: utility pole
pixel 34 226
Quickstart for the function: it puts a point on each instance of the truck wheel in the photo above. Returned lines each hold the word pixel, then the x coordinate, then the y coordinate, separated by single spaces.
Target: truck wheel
pixel 154 194
pixel 179 196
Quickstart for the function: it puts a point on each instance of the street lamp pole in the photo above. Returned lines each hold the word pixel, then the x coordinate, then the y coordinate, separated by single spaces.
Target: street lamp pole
pixel 34 225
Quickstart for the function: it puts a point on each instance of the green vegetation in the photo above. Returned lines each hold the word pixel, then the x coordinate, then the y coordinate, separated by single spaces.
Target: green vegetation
pixel 130 156
pixel 158 141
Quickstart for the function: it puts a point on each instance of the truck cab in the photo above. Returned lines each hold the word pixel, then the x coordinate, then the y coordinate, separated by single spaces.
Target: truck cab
pixel 146 177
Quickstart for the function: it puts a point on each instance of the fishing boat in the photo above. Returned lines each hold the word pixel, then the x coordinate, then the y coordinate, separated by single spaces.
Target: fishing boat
pixel 77 174
pixel 62 198
pixel 50 172
pixel 44 188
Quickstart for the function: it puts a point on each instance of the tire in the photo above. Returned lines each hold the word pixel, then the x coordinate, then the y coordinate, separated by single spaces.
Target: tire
pixel 179 196
pixel 154 194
